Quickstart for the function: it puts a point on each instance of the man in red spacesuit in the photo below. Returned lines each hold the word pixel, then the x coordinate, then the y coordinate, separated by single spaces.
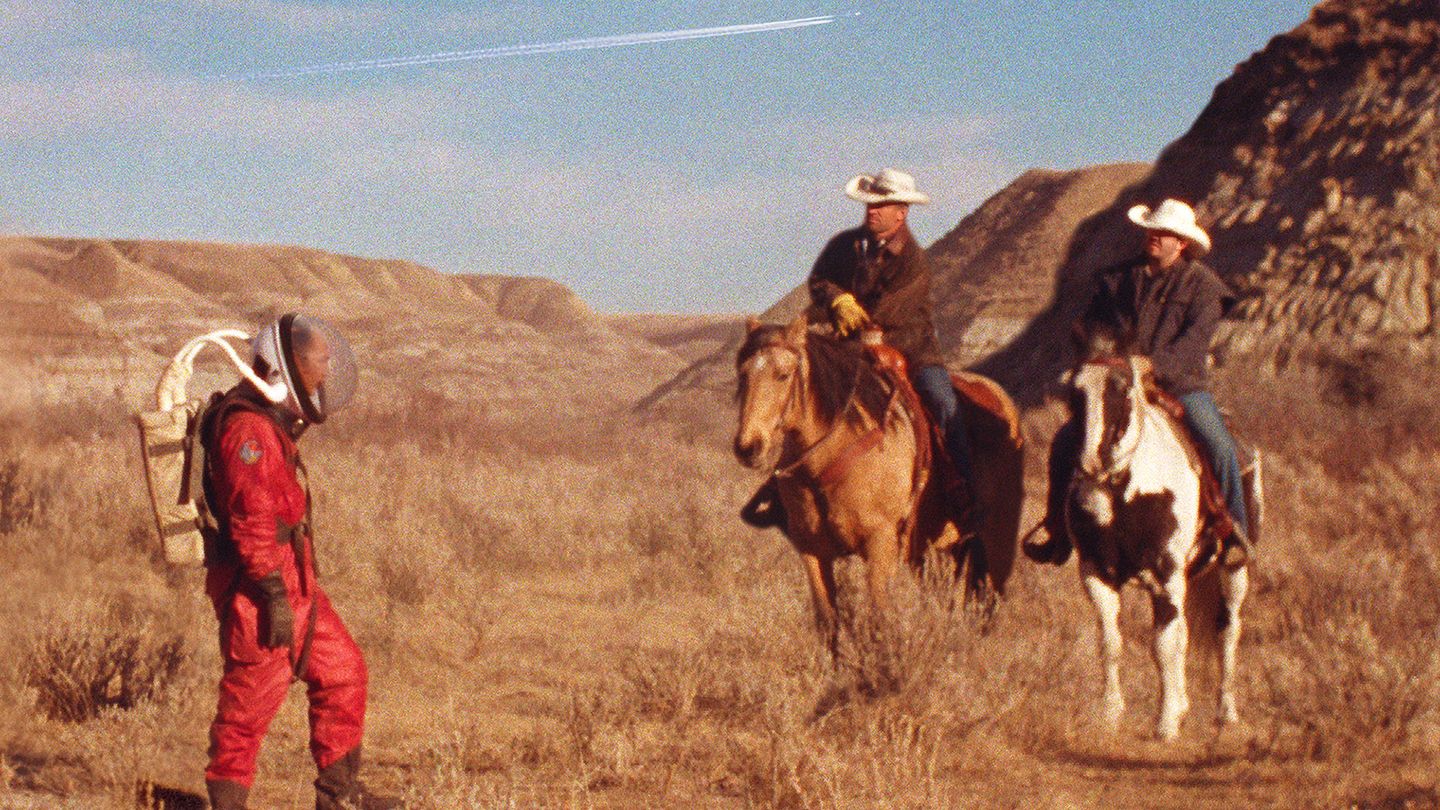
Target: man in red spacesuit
pixel 276 623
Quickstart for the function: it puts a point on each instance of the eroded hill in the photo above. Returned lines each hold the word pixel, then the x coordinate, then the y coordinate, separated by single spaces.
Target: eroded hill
pixel 81 317
pixel 1314 168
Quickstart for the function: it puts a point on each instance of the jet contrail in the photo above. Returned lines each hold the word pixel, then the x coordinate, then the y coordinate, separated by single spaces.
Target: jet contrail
pixel 586 44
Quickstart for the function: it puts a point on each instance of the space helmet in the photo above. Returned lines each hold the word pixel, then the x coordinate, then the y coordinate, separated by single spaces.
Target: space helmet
pixel 308 367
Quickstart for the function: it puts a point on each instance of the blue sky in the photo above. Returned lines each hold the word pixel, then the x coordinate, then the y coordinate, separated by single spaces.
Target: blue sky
pixel 681 176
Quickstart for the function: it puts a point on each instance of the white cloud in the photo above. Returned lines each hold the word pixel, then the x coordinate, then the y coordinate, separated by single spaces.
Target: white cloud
pixel 300 18
pixel 112 92
pixel 28 17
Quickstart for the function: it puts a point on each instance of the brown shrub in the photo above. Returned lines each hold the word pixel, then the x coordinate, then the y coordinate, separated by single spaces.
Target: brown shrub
pixel 20 502
pixel 101 659
pixel 1344 692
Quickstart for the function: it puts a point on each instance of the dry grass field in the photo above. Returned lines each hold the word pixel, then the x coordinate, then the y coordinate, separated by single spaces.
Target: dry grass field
pixel 572 616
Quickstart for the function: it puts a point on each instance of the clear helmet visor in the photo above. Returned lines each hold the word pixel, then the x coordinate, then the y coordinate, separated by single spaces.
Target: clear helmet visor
pixel 313 360
pixel 324 367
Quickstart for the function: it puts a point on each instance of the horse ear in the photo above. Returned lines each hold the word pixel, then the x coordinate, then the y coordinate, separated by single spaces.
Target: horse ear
pixel 795 332
pixel 1081 340
pixel 751 324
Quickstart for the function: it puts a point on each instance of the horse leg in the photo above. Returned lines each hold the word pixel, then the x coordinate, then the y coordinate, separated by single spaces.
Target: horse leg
pixel 1233 585
pixel 1172 636
pixel 972 565
pixel 879 571
pixel 1106 600
pixel 820 571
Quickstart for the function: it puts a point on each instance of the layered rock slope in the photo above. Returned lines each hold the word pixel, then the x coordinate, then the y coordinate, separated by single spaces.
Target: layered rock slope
pixel 81 317
pixel 1314 168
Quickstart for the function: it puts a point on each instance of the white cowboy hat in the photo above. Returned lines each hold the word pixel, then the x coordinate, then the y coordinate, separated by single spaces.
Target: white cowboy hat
pixel 885 186
pixel 1174 217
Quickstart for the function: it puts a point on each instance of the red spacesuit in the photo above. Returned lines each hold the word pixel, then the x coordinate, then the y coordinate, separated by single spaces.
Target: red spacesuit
pixel 259 493
pixel 276 623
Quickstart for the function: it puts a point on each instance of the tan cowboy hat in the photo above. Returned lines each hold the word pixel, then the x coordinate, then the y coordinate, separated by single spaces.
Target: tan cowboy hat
pixel 1174 217
pixel 885 186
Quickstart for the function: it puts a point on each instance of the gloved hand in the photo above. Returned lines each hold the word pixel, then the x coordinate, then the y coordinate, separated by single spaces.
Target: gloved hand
pixel 847 315
pixel 279 629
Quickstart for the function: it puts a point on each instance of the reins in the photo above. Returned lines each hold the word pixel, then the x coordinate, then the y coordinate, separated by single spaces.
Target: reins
pixel 1118 471
pixel 838 467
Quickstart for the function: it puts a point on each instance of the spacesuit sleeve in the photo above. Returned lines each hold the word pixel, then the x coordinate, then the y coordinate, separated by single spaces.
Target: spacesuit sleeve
pixel 254 472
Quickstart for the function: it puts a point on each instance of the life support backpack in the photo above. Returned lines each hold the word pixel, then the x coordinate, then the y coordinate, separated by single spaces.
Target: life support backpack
pixel 174 453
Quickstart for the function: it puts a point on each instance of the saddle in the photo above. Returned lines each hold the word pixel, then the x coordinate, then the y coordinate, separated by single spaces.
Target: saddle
pixel 931 457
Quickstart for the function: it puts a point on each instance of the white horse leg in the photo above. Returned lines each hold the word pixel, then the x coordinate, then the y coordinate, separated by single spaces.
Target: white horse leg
pixel 1106 600
pixel 1233 586
pixel 1171 639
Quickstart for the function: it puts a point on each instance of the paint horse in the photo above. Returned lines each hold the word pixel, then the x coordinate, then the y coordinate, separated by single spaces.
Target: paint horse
pixel 851 474
pixel 1134 513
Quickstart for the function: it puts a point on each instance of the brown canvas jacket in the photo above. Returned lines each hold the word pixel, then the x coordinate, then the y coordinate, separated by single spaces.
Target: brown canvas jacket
pixel 892 283
pixel 1172 317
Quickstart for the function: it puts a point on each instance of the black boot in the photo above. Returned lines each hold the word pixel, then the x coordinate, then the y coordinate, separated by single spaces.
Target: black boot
pixel 764 509
pixel 1055 549
pixel 226 795
pixel 1064 458
pixel 338 786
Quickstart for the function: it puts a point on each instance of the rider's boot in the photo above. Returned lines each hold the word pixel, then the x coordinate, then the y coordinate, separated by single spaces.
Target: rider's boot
pixel 1055 549
pixel 764 509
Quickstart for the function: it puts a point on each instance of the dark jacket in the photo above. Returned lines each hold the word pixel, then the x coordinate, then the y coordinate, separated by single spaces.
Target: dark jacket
pixel 1171 316
pixel 891 282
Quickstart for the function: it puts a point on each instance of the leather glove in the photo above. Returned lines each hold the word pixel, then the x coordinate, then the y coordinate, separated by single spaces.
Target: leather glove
pixel 279 629
pixel 847 314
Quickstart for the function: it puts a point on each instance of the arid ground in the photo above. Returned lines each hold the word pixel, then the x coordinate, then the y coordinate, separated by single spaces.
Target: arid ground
pixel 572 616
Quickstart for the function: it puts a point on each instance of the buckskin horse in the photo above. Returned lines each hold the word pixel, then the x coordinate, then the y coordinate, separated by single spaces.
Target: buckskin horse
pixel 841 440
pixel 1135 513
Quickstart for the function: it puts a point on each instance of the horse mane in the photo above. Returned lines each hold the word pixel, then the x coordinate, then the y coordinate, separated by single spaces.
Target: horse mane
pixel 1098 341
pixel 837 368
pixel 762 337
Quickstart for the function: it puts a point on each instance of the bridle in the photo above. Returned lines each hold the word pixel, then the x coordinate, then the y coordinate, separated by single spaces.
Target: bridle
pixel 835 470
pixel 1117 473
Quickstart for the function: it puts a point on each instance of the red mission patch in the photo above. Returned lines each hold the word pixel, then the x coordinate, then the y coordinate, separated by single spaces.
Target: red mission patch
pixel 250 451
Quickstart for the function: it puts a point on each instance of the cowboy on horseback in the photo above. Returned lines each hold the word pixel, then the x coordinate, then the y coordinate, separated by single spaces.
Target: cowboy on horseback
pixel 876 276
pixel 1170 304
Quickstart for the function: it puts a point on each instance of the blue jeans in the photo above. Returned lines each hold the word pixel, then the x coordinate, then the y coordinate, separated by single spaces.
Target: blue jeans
pixel 1203 417
pixel 933 385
